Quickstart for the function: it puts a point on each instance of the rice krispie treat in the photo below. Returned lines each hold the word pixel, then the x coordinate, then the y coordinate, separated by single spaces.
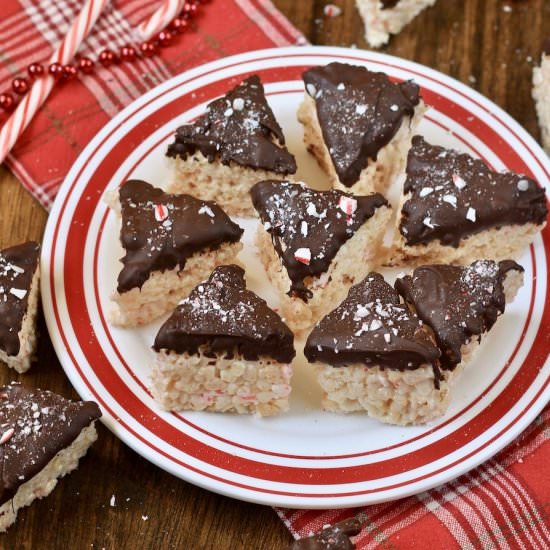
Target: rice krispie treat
pixel 541 94
pixel 19 289
pixel 236 143
pixel 358 124
pixel 171 243
pixel 315 244
pixel 460 304
pixel 223 349
pixel 42 438
pixel 455 209
pixel 373 354
pixel 385 17
pixel 331 537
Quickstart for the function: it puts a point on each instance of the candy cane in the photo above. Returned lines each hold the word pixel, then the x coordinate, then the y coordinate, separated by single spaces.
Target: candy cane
pixel 40 90
pixel 160 19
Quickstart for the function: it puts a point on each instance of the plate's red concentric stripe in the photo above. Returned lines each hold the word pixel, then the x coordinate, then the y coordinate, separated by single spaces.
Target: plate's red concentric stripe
pixel 77 221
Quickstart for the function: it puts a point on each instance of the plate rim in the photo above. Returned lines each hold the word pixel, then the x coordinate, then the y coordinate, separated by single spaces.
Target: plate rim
pixel 130 111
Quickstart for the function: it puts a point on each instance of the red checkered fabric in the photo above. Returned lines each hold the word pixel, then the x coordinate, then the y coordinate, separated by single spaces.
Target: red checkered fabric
pixel 76 110
pixel 505 503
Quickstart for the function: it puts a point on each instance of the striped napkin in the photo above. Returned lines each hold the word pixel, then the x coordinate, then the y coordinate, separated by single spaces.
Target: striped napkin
pixel 505 503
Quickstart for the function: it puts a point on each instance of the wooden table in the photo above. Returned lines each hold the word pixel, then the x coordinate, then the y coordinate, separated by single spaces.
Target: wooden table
pixel 476 41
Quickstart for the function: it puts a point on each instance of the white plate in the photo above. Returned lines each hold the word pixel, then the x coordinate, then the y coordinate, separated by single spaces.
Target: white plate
pixel 306 457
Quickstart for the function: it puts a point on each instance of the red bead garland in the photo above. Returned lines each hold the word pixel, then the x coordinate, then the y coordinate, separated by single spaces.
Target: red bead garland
pixel 106 58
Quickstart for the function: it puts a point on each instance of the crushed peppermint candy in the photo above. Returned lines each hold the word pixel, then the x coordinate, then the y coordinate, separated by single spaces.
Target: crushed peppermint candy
pixel 6 436
pixel 458 181
pixel 361 109
pixel 161 212
pixel 205 209
pixel 451 199
pixel 331 10
pixel 394 108
pixel 303 255
pixel 523 185
pixel 427 221
pixel 425 191
pixel 303 229
pixel 471 214
pixel 311 90
pixel 348 205
pixel 228 112
pixel 18 293
pixel 238 104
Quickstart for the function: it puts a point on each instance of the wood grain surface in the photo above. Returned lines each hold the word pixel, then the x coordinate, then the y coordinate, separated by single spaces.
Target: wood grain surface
pixel 480 42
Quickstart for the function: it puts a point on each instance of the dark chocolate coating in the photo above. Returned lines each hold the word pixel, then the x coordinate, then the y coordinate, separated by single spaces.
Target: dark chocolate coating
pixel 191 225
pixel 387 4
pixel 299 217
pixel 239 127
pixel 18 265
pixel 457 303
pixel 373 327
pixel 359 112
pixel 222 316
pixel 332 537
pixel 454 195
pixel 44 423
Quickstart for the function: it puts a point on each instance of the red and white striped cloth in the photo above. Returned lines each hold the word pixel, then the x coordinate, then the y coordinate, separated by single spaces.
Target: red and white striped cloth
pixel 504 503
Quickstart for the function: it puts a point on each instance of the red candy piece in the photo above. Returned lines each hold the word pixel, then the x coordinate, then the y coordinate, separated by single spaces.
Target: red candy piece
pixel 86 65
pixel 35 70
pixel 148 49
pixel 107 58
pixel 20 86
pixel 7 102
pixel 56 70
pixel 128 53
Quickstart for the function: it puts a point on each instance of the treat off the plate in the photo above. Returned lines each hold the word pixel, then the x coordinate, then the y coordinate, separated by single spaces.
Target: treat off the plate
pixel 42 438
pixel 223 349
pixel 541 94
pixel 19 289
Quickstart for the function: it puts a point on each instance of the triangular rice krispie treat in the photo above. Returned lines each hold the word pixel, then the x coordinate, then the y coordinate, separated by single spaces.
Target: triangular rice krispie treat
pixel 171 243
pixel 331 537
pixel 455 209
pixel 373 354
pixel 315 244
pixel 236 143
pixel 358 124
pixel 42 438
pixel 460 304
pixel 385 17
pixel 19 288
pixel 223 349
pixel 541 94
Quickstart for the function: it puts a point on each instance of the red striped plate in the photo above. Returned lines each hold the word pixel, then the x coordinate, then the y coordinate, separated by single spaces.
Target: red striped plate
pixel 305 458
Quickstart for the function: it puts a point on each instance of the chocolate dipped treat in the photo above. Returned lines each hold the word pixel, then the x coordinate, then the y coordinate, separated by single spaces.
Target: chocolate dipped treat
pixel 42 438
pixel 236 143
pixel 171 242
pixel 541 93
pixel 460 304
pixel 456 209
pixel 19 289
pixel 331 537
pixel 373 354
pixel 223 349
pixel 315 244
pixel 386 17
pixel 358 124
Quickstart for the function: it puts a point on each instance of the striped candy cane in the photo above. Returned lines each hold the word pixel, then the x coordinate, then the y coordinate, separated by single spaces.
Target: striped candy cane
pixel 40 90
pixel 160 19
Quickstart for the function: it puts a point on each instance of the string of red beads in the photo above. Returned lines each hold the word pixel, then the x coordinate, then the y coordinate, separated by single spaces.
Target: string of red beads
pixel 128 53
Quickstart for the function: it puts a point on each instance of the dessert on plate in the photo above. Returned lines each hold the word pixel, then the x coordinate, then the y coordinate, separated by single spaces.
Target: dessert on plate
pixel 42 438
pixel 315 244
pixel 385 17
pixel 541 94
pixel 19 289
pixel 236 143
pixel 455 209
pixel 223 349
pixel 171 242
pixel 460 304
pixel 358 124
pixel 373 354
